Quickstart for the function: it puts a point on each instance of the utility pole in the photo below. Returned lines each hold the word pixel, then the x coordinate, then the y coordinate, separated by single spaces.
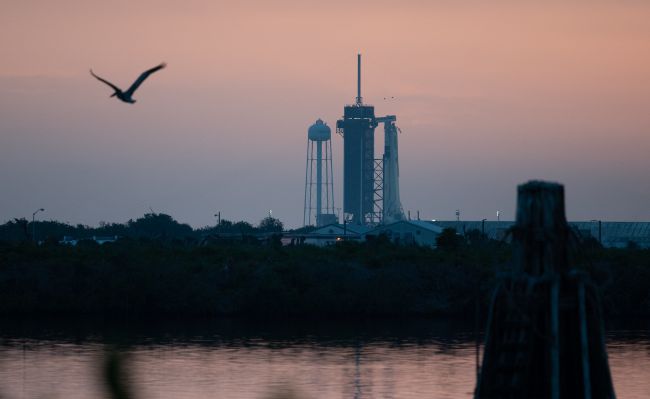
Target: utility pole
pixel 600 230
pixel 34 223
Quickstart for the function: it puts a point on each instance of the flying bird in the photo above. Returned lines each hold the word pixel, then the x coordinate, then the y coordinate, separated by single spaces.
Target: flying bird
pixel 127 96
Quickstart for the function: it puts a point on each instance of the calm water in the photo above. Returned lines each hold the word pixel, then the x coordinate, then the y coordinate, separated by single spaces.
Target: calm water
pixel 234 359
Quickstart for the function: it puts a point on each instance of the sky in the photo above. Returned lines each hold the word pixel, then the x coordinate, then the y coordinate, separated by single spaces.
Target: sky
pixel 488 95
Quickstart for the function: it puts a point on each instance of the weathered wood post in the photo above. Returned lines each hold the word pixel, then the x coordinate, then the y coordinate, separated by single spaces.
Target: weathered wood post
pixel 541 233
pixel 540 239
pixel 544 337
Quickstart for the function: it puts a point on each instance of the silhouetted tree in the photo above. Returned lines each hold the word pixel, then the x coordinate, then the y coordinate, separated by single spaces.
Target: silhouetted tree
pixel 475 237
pixel 243 227
pixel 449 240
pixel 224 226
pixel 270 224
pixel 15 230
pixel 380 240
pixel 157 225
pixel 54 231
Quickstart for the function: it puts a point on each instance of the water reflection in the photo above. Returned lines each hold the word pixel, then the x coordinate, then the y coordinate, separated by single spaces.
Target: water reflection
pixel 239 359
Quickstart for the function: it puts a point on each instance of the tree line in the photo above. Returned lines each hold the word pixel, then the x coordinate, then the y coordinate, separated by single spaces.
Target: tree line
pixel 150 225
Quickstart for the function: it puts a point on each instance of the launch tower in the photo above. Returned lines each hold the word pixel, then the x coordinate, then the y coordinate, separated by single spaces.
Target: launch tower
pixel 364 180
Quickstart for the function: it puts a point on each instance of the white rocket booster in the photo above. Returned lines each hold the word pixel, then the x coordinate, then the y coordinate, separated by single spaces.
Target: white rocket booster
pixel 392 206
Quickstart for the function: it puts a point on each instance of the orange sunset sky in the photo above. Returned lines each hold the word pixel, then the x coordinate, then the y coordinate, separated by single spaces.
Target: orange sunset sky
pixel 487 94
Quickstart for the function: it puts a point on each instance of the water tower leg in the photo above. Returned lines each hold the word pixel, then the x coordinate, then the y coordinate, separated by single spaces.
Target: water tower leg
pixel 319 182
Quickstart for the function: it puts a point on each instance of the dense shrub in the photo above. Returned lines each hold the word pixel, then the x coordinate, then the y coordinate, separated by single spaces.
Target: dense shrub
pixel 134 277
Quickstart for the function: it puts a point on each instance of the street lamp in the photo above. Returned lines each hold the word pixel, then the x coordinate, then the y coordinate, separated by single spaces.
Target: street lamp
pixel 218 216
pixel 600 230
pixel 483 227
pixel 34 224
pixel 345 226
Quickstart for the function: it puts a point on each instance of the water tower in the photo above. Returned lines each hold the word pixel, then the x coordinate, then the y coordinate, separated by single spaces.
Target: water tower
pixel 319 191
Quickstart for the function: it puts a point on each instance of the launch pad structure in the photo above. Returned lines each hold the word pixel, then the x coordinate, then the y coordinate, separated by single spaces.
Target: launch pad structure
pixel 370 185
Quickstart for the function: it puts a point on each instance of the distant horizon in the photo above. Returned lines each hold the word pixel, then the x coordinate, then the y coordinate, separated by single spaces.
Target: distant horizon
pixel 488 96
pixel 255 223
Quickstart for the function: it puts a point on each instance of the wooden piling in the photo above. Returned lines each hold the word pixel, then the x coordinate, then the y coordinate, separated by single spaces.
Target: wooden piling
pixel 544 337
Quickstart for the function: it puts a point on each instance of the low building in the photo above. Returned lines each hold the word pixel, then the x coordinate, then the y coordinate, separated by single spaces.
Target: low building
pixel 67 240
pixel 615 234
pixel 610 234
pixel 409 232
pixel 494 230
pixel 329 234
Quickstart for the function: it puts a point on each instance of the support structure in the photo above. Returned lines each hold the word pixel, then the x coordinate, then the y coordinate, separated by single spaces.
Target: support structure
pixel 376 216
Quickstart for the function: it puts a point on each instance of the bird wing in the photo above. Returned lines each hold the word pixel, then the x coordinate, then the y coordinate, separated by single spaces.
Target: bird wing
pixel 142 77
pixel 105 81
